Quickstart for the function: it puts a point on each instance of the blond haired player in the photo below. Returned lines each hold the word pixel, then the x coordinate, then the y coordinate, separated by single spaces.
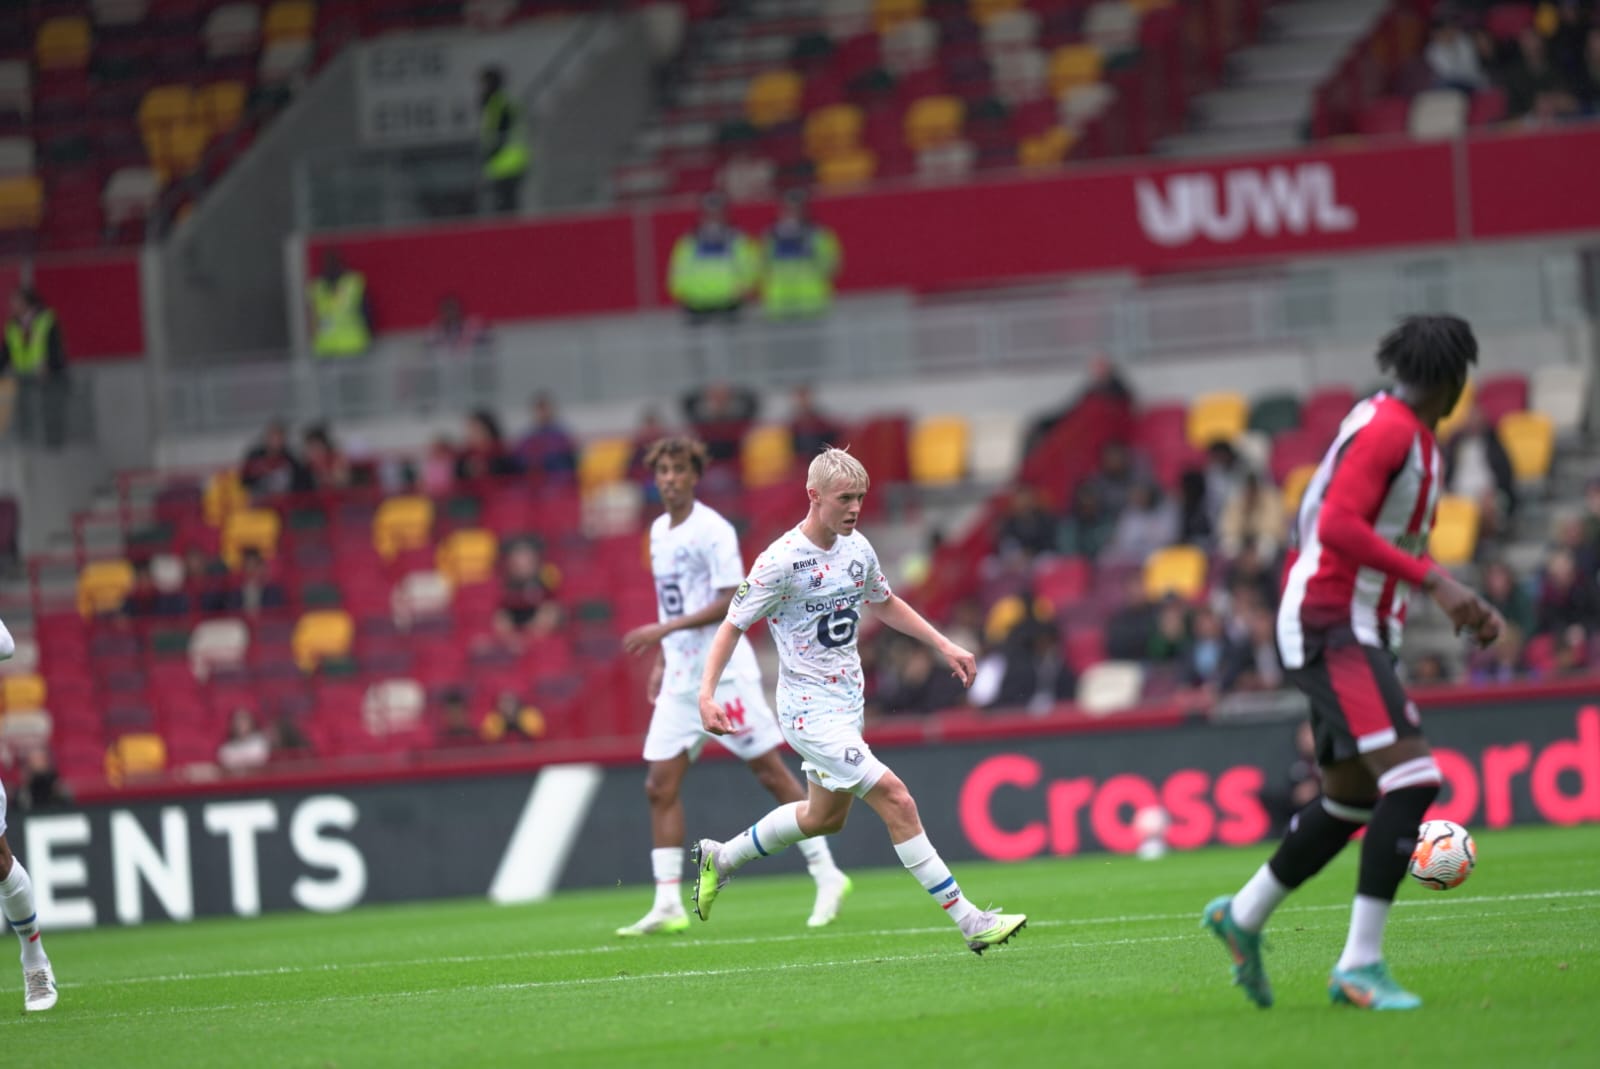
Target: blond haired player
pixel 16 900
pixel 694 558
pixel 811 586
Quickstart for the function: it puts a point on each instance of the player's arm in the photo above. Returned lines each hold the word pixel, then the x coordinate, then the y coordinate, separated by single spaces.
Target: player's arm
pixel 712 715
pixel 642 638
pixel 755 598
pixel 908 621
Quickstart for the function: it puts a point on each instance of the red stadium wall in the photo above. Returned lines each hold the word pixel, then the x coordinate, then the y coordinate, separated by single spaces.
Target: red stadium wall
pixel 96 298
pixel 1143 216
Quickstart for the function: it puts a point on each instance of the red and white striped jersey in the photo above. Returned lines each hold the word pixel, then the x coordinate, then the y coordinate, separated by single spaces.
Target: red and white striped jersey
pixel 1380 477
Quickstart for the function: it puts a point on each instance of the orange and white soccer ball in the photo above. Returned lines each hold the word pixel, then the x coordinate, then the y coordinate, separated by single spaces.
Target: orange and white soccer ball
pixel 1444 857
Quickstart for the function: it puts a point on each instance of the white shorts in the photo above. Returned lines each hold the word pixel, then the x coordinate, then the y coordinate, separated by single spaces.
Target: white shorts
pixel 2 808
pixel 675 725
pixel 836 756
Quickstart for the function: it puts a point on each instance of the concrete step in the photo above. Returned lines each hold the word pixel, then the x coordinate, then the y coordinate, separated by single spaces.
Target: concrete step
pixel 1323 18
pixel 1249 106
pixel 1284 61
pixel 1275 138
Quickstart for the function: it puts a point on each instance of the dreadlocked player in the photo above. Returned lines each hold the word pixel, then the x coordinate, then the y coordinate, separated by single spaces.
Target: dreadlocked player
pixel 1358 548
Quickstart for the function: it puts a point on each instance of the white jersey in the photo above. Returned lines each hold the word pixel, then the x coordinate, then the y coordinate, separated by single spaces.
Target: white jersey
pixel 690 563
pixel 811 599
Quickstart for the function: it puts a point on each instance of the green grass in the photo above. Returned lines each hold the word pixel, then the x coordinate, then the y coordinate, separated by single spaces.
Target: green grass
pixel 1112 969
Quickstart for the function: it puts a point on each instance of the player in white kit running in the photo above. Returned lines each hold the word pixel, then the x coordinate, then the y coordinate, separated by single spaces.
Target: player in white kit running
pixel 811 587
pixel 16 900
pixel 694 557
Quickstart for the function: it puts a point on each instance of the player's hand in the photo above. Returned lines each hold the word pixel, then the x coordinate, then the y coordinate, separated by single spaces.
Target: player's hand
pixel 963 665
pixel 652 687
pixel 641 639
pixel 1490 630
pixel 1467 611
pixel 714 718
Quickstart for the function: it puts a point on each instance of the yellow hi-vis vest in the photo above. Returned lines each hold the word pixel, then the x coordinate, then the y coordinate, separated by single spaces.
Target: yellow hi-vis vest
pixel 710 272
pixel 341 324
pixel 800 264
pixel 512 159
pixel 29 351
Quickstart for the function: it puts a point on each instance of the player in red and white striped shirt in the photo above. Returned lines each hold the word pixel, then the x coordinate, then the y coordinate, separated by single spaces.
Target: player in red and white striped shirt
pixel 1357 550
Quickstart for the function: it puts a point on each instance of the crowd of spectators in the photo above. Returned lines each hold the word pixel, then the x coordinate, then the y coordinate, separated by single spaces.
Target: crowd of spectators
pixel 1549 71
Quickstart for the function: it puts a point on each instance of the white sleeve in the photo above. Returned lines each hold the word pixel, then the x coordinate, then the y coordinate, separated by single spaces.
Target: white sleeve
pixel 724 563
pixel 877 589
pixel 760 595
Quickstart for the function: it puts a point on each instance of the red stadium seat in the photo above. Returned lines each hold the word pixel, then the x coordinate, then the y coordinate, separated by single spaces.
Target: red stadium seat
pixel 1501 395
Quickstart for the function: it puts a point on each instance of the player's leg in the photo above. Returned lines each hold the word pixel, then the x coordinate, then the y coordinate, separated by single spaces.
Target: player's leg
pixel 832 884
pixel 669 748
pixel 16 901
pixel 823 812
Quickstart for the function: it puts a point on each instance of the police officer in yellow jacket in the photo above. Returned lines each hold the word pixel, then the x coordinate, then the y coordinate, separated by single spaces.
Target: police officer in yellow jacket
pixel 34 369
pixel 714 266
pixel 502 141
pixel 341 325
pixel 799 263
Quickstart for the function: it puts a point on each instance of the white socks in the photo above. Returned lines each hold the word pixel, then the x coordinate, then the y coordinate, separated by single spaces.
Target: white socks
pixel 776 831
pixel 1257 899
pixel 1365 942
pixel 667 864
pixel 922 861
pixel 16 901
pixel 819 859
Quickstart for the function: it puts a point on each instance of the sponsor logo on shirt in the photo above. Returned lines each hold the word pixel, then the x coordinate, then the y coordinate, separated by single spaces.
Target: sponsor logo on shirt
pixel 744 588
pixel 802 565
pixel 858 571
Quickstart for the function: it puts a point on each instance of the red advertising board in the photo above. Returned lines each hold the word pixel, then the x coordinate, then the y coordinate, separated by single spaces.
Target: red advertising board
pixel 1532 183
pixel 96 299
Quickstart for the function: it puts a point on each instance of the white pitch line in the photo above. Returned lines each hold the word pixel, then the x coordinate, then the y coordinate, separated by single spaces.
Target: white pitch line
pixel 813 937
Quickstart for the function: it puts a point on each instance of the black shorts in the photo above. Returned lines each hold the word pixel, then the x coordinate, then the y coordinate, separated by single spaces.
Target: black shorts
pixel 1357 702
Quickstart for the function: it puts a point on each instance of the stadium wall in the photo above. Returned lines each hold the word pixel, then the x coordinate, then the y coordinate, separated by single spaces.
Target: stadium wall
pixel 999 789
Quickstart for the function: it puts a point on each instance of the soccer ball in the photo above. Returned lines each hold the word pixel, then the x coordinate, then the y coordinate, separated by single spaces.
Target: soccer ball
pixel 1444 856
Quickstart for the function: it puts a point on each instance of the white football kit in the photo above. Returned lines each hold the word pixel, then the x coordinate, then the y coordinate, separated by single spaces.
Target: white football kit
pixel 690 563
pixel 812 599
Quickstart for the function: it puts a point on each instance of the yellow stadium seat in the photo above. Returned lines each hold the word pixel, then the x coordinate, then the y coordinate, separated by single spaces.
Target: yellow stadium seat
pixel 319 635
pixel 132 756
pixel 256 529
pixel 604 461
pixel 1530 439
pixel 21 202
pixel 939 450
pixel 1458 415
pixel 774 97
pixel 62 43
pixel 766 456
pixel 220 105
pixel 1179 570
pixel 23 692
pixel 176 149
pixel 166 104
pixel 887 14
pixel 402 523
pixel 1008 612
pixel 289 20
pixel 1046 149
pixel 1074 65
pixel 850 169
pixel 933 120
pixel 832 131
pixel 984 10
pixel 1217 417
pixel 468 556
pixel 224 493
pixel 1294 486
pixel 103 586
pixel 1146 6
pixel 1454 539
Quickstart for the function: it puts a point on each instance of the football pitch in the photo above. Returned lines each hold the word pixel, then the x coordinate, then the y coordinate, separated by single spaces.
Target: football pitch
pixel 1111 970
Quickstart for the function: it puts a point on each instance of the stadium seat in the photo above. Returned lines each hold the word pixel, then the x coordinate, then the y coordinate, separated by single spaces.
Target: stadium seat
pixel 1501 395
pixel 939 450
pixel 119 13
pixel 420 596
pixel 1008 28
pixel 604 461
pixel 130 194
pixel 774 97
pixel 766 456
pixel 22 692
pixel 289 20
pixel 468 556
pixel 1082 104
pixel 16 88
pixel 887 14
pixel 393 707
pixel 932 121
pixel 16 156
pixel 1530 439
pixel 1063 581
pixel 1275 413
pixel 223 493
pixel 850 169
pixel 256 529
pixel 1294 487
pixel 218 645
pixel 63 43
pixel 220 105
pixel 1046 149
pixel 1438 115
pixel 948 161
pixel 103 586
pixel 1074 65
pixel 24 658
pixel 1325 409
pixel 283 61
pixel 1008 612
pixel 22 730
pixel 402 524
pixel 1458 415
pixel 21 203
pixel 135 755
pixel 909 46
pixel 1113 25
pixel 1110 687
pixel 1560 391
pixel 1454 540
pixel 1216 417
pixel 1179 570
pixel 984 11
pixel 321 635
pixel 232 30
pixel 832 131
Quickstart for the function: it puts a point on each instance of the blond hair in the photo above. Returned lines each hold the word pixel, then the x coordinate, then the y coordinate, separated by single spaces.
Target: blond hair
pixel 836 467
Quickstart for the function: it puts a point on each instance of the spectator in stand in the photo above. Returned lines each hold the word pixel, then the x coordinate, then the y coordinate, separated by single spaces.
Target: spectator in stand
pixel 812 429
pixel 1104 381
pixel 1028 528
pixel 484 454
pixel 1253 663
pixel 1194 525
pixel 548 449
pixel 207 579
pixel 1088 526
pixel 1223 472
pixel 1536 92
pixel 247 747
pixel 1148 523
pixel 41 785
pixel 149 598
pixel 1429 670
pixel 33 371
pixel 1170 637
pixel 713 267
pixel 1477 465
pixel 527 595
pixel 1502 590
pixel 1253 514
pixel 1036 676
pixel 1208 646
pixel 1501 662
pixel 1252 579
pixel 455 723
pixel 1571 654
pixel 1568 42
pixel 454 333
pixel 288 742
pixel 1453 58
pixel 254 591
pixel 438 471
pixel 919 684
pixel 1590 518
pixel 1567 596
pixel 1571 534
pixel 270 467
pixel 325 465
pixel 512 720
pixel 1587 81
pixel 1116 478
pixel 341 314
pixel 651 429
pixel 721 414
